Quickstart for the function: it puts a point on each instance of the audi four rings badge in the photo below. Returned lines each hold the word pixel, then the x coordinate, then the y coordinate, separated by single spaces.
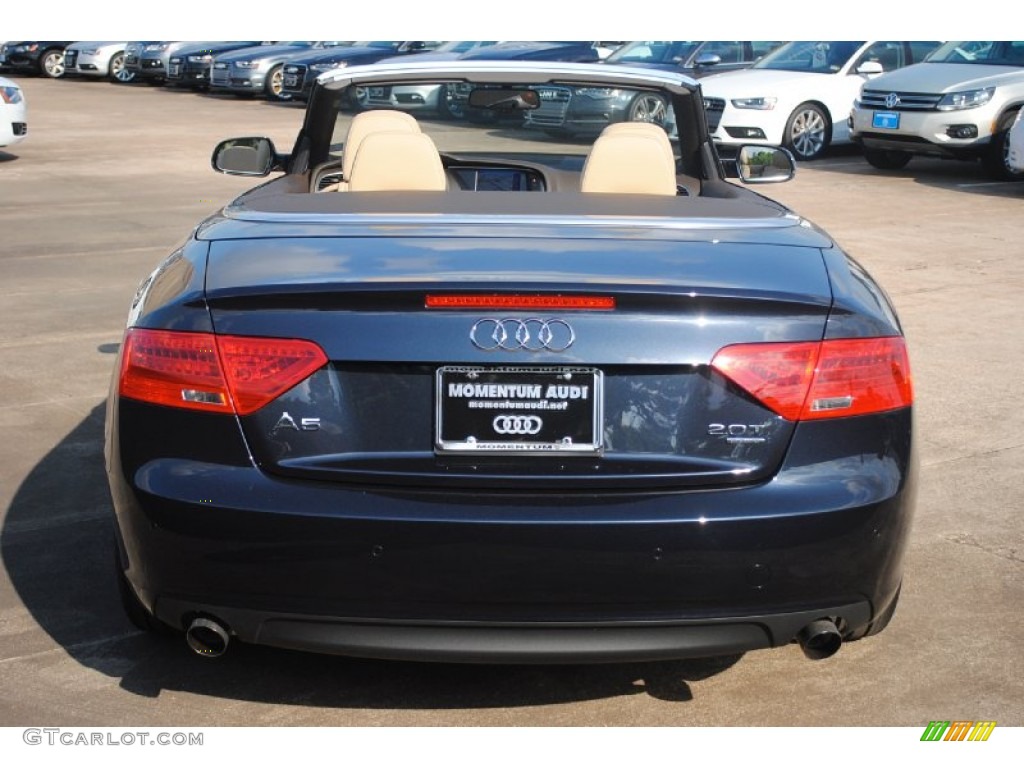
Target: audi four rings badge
pixel 532 334
pixel 517 425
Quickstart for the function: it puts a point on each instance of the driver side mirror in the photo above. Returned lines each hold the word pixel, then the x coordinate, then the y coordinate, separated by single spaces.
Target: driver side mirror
pixel 870 68
pixel 708 60
pixel 250 156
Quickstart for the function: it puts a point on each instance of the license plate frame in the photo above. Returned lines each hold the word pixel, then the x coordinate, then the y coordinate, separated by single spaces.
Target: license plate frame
pixel 513 410
pixel 887 121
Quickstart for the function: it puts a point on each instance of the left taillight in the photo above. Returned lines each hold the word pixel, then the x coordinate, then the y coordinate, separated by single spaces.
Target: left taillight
pixel 207 372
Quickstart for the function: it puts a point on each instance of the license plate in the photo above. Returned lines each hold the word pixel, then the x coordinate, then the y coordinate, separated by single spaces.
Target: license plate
pixel 377 93
pixel 291 80
pixel 173 70
pixel 3 59
pixel 513 410
pixel 888 120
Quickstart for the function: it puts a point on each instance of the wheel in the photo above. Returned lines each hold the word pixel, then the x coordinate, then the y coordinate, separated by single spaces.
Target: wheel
pixel 808 132
pixel 997 159
pixel 117 72
pixel 648 108
pixel 51 63
pixel 275 84
pixel 887 159
pixel 448 106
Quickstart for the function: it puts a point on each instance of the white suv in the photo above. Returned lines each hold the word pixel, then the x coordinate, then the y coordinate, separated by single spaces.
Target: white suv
pixel 960 103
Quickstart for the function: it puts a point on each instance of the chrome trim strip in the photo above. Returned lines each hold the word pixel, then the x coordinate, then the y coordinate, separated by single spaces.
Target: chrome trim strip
pixel 506 71
pixel 239 213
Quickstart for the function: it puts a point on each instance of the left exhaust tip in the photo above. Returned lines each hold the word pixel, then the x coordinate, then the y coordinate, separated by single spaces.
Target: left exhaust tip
pixel 820 639
pixel 207 638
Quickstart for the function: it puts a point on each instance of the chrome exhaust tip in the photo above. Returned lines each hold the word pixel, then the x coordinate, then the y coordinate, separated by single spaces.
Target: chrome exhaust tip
pixel 207 637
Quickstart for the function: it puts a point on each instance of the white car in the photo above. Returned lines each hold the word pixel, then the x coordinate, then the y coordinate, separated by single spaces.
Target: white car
pixel 13 114
pixel 1015 150
pixel 97 59
pixel 800 95
pixel 958 104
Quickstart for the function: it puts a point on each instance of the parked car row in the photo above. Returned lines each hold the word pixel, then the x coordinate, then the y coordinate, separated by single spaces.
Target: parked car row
pixel 896 99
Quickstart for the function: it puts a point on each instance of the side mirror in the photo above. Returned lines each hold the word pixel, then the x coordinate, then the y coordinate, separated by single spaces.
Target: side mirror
pixel 870 68
pixel 764 165
pixel 250 156
pixel 708 60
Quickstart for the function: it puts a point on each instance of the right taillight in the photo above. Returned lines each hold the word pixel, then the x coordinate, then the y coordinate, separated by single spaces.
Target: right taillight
pixel 821 380
pixel 206 372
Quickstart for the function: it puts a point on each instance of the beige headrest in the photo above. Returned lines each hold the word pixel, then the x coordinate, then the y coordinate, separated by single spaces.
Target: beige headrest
pixel 397 161
pixel 366 123
pixel 628 158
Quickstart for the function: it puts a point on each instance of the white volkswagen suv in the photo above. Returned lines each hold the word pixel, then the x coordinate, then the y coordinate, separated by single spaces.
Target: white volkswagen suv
pixel 960 103
pixel 800 95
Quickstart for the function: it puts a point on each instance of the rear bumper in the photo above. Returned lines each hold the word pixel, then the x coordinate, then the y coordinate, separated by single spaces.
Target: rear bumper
pixel 542 576
pixel 532 643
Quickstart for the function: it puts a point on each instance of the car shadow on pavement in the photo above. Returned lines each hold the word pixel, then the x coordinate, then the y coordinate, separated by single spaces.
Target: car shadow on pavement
pixel 6 157
pixel 57 548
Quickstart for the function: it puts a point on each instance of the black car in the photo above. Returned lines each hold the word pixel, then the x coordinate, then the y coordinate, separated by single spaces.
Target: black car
pixel 37 57
pixel 467 395
pixel 301 71
pixel 190 66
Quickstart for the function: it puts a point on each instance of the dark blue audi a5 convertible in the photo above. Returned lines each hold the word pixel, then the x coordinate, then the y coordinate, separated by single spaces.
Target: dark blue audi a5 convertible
pixel 457 392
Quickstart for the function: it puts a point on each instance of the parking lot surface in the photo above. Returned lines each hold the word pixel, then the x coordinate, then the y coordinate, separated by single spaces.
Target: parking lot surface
pixel 112 178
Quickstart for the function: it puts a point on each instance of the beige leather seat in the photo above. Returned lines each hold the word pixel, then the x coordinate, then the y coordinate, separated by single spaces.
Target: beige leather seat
pixel 362 126
pixel 397 161
pixel 630 158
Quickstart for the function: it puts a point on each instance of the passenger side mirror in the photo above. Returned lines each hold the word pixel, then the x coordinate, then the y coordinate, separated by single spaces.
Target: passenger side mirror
pixel 708 60
pixel 764 165
pixel 250 156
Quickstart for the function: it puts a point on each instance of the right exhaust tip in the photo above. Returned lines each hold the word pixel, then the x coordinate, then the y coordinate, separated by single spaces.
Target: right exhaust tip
pixel 820 639
pixel 207 638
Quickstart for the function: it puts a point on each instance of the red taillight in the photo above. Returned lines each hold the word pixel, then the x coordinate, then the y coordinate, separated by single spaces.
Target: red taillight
pixel 517 301
pixel 204 372
pixel 822 380
pixel 260 370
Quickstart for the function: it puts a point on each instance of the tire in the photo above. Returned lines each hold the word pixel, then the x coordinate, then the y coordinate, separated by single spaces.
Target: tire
pixel 449 108
pixel 51 63
pixel 275 85
pixel 647 108
pixel 808 132
pixel 996 160
pixel 116 72
pixel 887 159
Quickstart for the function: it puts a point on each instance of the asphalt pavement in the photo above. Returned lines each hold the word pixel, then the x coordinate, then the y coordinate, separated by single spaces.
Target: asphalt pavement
pixel 112 178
